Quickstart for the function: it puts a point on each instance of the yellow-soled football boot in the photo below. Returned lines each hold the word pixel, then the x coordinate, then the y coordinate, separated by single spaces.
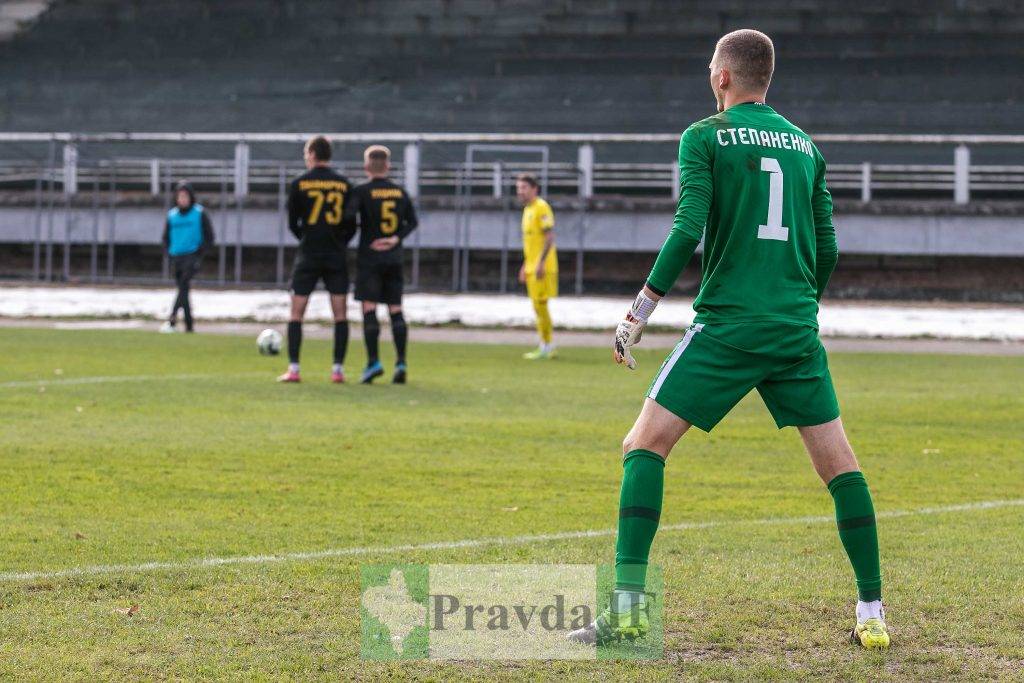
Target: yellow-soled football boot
pixel 871 634
pixel 611 626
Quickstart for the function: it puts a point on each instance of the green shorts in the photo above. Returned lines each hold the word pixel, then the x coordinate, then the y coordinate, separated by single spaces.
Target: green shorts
pixel 716 365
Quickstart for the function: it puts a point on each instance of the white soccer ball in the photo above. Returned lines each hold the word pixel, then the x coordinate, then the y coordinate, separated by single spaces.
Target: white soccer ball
pixel 269 342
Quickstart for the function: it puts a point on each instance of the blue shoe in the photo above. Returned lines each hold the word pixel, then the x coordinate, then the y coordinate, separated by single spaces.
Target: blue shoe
pixel 372 372
pixel 399 377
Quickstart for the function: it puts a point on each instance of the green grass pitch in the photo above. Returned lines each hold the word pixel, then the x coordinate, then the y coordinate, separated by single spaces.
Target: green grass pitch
pixel 218 461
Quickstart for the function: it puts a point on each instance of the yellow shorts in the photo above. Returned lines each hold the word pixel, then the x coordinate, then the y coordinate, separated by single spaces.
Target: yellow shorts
pixel 543 289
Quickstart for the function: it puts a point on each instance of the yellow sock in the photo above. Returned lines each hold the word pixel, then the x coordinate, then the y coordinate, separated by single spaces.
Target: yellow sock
pixel 540 307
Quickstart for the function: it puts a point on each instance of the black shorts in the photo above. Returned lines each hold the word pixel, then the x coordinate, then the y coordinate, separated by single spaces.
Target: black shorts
pixel 310 268
pixel 380 282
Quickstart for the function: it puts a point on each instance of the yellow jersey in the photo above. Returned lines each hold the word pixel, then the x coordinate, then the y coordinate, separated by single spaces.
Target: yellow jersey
pixel 538 219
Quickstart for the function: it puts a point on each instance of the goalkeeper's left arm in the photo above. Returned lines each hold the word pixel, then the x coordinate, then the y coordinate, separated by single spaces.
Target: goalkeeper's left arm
pixel 681 243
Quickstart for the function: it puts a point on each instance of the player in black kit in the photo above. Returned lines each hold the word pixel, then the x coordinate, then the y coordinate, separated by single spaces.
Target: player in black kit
pixel 386 216
pixel 316 216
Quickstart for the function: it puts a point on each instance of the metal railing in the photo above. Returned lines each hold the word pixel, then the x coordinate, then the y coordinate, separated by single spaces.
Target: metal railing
pixel 524 138
pixel 645 179
pixel 96 187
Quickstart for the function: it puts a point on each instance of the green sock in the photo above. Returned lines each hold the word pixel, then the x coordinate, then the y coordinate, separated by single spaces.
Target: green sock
pixel 643 482
pixel 855 516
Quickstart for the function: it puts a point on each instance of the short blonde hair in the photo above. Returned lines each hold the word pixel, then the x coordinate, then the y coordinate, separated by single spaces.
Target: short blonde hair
pixel 377 158
pixel 750 57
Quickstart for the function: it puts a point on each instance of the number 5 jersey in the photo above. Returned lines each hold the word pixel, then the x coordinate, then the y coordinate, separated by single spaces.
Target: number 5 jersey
pixel 383 209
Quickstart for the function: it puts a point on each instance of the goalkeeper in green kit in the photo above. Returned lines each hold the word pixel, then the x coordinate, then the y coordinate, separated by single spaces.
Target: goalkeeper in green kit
pixel 753 186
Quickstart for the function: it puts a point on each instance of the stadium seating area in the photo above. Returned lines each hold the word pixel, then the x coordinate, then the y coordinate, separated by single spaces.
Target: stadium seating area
pixel 499 65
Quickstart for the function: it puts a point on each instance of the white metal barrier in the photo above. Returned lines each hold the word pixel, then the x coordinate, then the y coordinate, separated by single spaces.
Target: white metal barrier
pixel 586 177
pixel 68 171
pixel 864 179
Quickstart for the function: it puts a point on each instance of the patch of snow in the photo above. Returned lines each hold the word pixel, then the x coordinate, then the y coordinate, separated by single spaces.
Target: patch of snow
pixel 99 325
pixel 483 310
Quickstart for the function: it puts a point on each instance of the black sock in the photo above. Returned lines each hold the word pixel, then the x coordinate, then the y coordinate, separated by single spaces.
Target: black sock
pixel 400 333
pixel 173 319
pixel 187 310
pixel 340 340
pixel 294 340
pixel 371 332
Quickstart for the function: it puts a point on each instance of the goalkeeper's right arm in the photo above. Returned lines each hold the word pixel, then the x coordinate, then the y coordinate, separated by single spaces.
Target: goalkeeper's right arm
pixel 695 191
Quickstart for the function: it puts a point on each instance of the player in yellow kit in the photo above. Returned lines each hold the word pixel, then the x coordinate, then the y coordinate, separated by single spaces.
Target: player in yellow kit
pixel 540 260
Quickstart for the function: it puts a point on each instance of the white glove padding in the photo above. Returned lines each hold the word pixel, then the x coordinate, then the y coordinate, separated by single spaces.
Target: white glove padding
pixel 630 330
pixel 628 334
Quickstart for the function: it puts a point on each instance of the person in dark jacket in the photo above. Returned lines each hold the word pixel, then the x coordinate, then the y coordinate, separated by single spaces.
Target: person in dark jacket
pixel 188 234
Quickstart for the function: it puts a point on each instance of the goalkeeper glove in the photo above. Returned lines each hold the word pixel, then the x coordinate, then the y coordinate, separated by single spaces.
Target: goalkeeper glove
pixel 631 328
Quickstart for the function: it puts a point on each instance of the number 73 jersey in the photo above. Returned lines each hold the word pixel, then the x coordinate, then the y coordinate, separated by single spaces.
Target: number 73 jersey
pixel 316 211
pixel 755 184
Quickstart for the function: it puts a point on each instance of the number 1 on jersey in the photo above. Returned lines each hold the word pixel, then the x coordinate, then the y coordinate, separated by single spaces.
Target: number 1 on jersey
pixel 774 229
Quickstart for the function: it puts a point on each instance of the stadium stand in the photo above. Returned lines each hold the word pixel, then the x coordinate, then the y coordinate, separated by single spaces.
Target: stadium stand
pixel 487 65
pixel 505 66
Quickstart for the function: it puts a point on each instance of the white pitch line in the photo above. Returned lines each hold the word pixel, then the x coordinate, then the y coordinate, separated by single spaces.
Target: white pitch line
pixel 112 379
pixel 202 563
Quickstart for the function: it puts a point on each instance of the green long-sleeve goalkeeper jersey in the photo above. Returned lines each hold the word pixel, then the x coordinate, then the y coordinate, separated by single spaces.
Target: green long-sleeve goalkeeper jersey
pixel 753 185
